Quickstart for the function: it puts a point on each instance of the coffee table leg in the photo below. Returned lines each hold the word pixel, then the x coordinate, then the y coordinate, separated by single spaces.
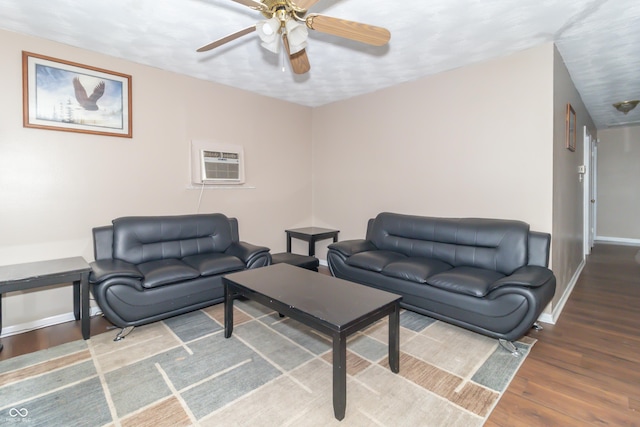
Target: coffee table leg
pixel 228 310
pixel 339 375
pixel 394 339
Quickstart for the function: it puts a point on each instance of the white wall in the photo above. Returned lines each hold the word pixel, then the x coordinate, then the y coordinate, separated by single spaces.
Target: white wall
pixel 56 186
pixel 618 204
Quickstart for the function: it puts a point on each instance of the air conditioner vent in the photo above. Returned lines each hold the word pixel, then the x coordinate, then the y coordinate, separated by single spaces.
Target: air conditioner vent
pixel 216 163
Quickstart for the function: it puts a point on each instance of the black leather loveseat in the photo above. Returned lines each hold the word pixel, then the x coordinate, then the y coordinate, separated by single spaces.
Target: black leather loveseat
pixel 487 275
pixel 151 268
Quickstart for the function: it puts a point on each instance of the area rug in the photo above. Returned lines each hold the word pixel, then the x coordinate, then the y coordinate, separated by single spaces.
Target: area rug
pixel 272 372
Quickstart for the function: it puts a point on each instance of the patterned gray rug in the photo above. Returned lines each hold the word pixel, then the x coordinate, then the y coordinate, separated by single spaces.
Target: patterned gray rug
pixel 271 372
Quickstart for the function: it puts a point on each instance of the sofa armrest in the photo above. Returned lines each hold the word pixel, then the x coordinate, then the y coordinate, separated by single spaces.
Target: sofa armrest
pixel 530 276
pixel 245 251
pixel 104 269
pixel 352 247
pixel 539 244
pixel 103 242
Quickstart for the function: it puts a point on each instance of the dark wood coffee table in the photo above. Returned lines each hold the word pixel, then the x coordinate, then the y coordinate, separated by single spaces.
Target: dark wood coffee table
pixel 332 306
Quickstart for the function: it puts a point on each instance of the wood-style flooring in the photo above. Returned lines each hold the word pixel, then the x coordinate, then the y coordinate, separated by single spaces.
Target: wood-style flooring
pixel 583 371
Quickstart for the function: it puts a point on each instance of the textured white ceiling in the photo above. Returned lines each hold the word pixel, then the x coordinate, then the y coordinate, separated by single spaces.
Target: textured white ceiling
pixel 598 39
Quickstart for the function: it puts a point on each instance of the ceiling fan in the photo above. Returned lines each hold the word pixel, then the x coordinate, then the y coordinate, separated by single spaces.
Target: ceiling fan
pixel 287 22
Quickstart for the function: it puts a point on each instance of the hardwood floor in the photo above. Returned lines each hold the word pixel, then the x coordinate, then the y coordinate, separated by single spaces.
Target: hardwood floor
pixel 51 336
pixel 583 371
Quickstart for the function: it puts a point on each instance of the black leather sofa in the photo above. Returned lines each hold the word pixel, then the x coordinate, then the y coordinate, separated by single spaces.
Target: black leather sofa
pixel 487 275
pixel 150 268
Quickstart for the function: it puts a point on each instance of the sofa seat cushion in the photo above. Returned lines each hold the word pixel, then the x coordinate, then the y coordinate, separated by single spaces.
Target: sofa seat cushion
pixel 214 263
pixel 165 271
pixel 473 281
pixel 374 260
pixel 415 269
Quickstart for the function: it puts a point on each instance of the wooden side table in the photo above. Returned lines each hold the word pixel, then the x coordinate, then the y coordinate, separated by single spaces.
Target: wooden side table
pixel 311 235
pixel 20 277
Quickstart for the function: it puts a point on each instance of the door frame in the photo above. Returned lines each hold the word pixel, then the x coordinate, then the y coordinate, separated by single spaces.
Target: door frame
pixel 589 190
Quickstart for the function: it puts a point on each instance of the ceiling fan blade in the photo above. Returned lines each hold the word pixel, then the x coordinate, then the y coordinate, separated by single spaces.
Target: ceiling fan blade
pixel 253 4
pixel 299 60
pixel 369 34
pixel 304 4
pixel 227 39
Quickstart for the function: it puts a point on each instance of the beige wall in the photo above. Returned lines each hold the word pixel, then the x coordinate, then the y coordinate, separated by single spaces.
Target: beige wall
pixel 618 178
pixel 56 186
pixel 568 224
pixel 485 140
pixel 477 141
pixel 472 142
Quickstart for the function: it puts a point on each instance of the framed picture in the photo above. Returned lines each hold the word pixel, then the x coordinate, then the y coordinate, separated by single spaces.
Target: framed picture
pixel 66 96
pixel 570 132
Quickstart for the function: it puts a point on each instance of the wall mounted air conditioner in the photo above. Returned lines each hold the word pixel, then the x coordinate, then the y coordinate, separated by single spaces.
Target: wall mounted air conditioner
pixel 216 163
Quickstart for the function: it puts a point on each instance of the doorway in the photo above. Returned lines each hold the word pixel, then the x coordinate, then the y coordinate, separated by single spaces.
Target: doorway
pixel 589 173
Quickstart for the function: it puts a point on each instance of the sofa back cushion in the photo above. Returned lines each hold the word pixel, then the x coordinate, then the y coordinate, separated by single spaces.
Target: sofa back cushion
pixel 143 239
pixel 492 244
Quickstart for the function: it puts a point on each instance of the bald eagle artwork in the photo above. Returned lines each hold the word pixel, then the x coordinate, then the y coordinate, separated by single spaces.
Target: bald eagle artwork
pixel 88 102
pixel 76 98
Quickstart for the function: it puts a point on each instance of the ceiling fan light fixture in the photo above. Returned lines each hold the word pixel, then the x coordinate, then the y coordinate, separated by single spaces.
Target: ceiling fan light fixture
pixel 295 48
pixel 268 30
pixel 272 46
pixel 626 106
pixel 297 34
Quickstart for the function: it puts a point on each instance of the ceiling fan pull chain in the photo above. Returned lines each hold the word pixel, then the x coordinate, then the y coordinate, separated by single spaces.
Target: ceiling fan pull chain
pixel 283 56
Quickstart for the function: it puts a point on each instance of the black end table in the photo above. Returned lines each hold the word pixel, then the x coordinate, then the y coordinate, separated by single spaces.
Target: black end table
pixel 20 277
pixel 332 306
pixel 311 235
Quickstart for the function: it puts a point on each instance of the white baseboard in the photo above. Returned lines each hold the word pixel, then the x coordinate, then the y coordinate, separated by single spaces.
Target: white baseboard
pixel 323 262
pixel 557 309
pixel 546 318
pixel 43 323
pixel 617 241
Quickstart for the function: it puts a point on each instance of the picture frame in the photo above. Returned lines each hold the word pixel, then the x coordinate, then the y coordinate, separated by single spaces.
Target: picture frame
pixel 571 129
pixel 66 96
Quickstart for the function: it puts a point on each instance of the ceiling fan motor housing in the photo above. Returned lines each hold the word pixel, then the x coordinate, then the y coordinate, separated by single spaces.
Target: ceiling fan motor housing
pixel 282 9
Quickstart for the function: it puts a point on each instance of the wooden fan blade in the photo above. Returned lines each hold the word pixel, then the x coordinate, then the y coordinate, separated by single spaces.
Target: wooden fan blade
pixel 369 34
pixel 227 39
pixel 299 60
pixel 304 4
pixel 253 4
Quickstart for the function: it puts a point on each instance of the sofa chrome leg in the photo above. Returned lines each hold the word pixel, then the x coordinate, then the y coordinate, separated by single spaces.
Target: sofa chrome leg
pixel 537 326
pixel 510 347
pixel 123 333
